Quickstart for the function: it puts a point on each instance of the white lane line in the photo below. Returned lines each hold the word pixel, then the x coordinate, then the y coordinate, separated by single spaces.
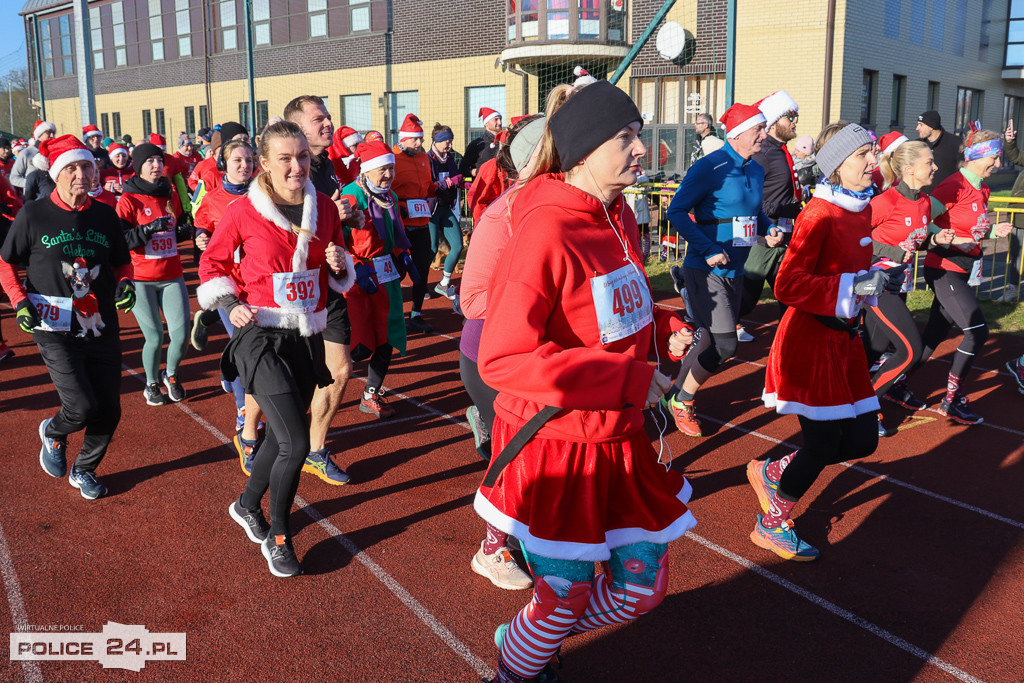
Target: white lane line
pixel 371 425
pixel 876 475
pixel 406 598
pixel 838 611
pixel 19 616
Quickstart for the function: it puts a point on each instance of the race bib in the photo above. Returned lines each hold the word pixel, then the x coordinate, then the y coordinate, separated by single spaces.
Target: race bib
pixel 418 208
pixel 785 224
pixel 161 245
pixel 975 279
pixel 299 292
pixel 54 312
pixel 442 176
pixel 908 275
pixel 385 269
pixel 744 231
pixel 623 303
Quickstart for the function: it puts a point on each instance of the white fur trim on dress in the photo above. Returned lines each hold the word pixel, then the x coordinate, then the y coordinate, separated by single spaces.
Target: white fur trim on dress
pixel 585 552
pixel 307 324
pixel 843 201
pixel 344 284
pixel 211 291
pixel 266 208
pixel 821 413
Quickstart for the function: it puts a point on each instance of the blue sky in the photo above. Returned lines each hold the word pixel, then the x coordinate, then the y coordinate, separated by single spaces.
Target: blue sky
pixel 12 50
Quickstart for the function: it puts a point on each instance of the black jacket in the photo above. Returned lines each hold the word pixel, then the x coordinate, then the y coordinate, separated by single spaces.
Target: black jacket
pixel 478 151
pixel 321 174
pixel 779 198
pixel 947 157
pixel 38 184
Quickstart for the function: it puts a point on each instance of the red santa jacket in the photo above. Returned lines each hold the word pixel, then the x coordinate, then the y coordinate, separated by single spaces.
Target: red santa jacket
pixel 189 162
pixel 271 246
pixel 412 181
pixel 158 259
pixel 542 344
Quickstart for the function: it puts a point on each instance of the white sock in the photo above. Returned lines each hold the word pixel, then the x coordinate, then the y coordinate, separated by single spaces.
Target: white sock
pixel 445 279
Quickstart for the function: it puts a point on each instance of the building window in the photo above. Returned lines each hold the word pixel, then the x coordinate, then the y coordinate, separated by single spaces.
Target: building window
pixel 891 25
pixel 64 25
pixel 117 124
pixel 356 112
pixel 968 108
pixel 204 116
pixel 147 123
pixel 243 115
pixel 899 98
pixel 183 25
pixel 117 21
pixel 959 32
pixel 917 10
pixel 938 24
pixel 1015 35
pixel 359 19
pixel 986 26
pixel 933 95
pixel 190 120
pixel 704 94
pixel 229 24
pixel 400 104
pixel 160 127
pixel 156 30
pixel 262 114
pixel 261 21
pixel 96 37
pixel 528 20
pixel 317 18
pixel 490 96
pixel 44 32
pixel 1013 109
pixel 105 124
pixel 868 92
pixel 617 22
pixel 558 21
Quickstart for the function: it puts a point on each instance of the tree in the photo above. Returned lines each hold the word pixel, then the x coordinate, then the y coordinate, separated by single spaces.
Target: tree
pixel 16 80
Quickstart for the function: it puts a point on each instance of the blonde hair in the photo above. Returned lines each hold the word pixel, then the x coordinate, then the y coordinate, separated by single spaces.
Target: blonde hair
pixel 281 129
pixel 547 157
pixel 892 163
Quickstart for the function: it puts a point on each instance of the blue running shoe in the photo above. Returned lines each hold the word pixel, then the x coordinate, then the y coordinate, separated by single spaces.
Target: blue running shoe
pixel 764 487
pixel 52 454
pixel 783 541
pixel 246 452
pixel 87 483
pixel 321 464
pixel 499 635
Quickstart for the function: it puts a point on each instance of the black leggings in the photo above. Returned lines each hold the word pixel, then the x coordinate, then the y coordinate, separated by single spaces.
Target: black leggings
pixel 827 443
pixel 891 323
pixel 422 256
pixel 380 361
pixel 279 460
pixel 954 304
pixel 710 352
pixel 482 395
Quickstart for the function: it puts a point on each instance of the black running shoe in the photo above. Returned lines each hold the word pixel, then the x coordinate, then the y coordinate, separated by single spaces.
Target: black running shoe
pixel 253 521
pixel 153 395
pixel 280 556
pixel 175 391
pixel 418 324
pixel 959 411
pixel 200 332
pixel 677 279
pixel 901 395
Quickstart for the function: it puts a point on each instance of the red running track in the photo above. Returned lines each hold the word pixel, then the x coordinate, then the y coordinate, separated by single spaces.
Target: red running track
pixel 920 577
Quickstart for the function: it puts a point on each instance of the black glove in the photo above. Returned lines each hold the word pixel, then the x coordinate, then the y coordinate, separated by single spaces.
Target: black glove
pixel 410 268
pixel 365 278
pixel 124 295
pixel 27 317
pixel 871 283
pixel 159 225
pixel 186 230
pixel 897 276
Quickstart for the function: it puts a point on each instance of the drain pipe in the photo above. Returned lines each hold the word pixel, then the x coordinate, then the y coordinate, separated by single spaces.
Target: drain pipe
pixel 830 30
pixel 505 66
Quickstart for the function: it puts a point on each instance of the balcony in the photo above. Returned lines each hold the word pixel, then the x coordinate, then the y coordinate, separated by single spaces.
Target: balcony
pixel 539 31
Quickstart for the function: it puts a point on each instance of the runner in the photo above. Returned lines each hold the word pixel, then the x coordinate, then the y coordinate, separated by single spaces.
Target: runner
pixel 150 209
pixel 10 204
pixel 484 147
pixel 119 171
pixel 39 183
pixel 444 213
pixel 77 271
pixel 723 192
pixel 6 156
pixel 43 130
pixel 290 234
pixel 817 368
pixel 381 249
pixel 205 176
pixel 93 139
pixel 588 487
pixel 951 271
pixel 187 154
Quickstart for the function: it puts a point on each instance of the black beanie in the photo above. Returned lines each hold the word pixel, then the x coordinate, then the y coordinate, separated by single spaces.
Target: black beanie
pixel 588 119
pixel 229 130
pixel 931 119
pixel 143 152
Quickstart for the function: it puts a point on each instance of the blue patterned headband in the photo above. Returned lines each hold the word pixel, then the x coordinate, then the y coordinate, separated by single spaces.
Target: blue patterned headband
pixel 984 149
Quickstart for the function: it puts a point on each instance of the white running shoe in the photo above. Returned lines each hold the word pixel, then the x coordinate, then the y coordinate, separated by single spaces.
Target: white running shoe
pixel 743 335
pixel 501 569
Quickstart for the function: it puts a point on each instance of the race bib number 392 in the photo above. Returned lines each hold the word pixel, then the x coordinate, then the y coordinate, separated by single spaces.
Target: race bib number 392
pixel 622 302
pixel 298 291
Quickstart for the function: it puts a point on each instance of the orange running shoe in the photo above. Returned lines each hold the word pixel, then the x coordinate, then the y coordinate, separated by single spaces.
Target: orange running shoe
pixel 685 416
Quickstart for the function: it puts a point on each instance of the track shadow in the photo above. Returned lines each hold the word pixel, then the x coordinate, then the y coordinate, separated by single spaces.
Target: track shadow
pixel 126 480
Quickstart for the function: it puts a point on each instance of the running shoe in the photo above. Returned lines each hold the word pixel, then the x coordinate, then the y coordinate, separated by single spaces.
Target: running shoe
pixel 280 556
pixel 200 333
pixel 900 395
pixel 447 292
pixel 501 569
pixel 742 334
pixel 246 451
pixel 52 456
pixel 783 541
pixel 153 395
pixel 86 483
pixel 481 437
pixel 1010 295
pixel 883 432
pixel 879 363
pixel 958 410
pixel 374 404
pixel 1016 368
pixel 5 352
pixel 175 391
pixel 677 279
pixel 322 465
pixel 764 487
pixel 684 415
pixel 418 324
pixel 253 521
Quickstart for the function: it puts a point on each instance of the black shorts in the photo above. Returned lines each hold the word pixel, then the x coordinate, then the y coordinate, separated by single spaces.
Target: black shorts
pixel 339 329
pixel 271 360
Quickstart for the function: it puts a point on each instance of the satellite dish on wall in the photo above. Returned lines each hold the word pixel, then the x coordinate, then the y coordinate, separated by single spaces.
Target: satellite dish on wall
pixel 671 41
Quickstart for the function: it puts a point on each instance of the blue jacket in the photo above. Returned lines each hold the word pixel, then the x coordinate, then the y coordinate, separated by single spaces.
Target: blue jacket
pixel 721 185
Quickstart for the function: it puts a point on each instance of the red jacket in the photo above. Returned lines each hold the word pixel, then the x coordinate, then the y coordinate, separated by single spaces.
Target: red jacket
pixel 190 164
pixel 9 200
pixel 488 185
pixel 206 173
pixel 966 212
pixel 112 177
pixel 173 165
pixel 157 260
pixel 412 181
pixel 895 219
pixel 211 211
pixel 541 343
pixel 272 247
pixel 108 198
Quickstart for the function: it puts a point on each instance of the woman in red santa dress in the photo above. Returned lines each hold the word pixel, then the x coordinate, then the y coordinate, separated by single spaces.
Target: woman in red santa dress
pixel 570 324
pixel 817 367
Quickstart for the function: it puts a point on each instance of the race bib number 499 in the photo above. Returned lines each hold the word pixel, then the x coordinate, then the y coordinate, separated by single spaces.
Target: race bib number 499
pixel 299 292
pixel 622 302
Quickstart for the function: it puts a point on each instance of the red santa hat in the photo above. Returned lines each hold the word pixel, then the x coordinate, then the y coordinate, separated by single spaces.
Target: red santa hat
pixel 63 151
pixel 775 106
pixel 412 127
pixel 373 136
pixel 349 137
pixel 487 114
pixel 116 148
pixel 41 127
pixel 373 155
pixel 158 140
pixel 18 145
pixel 890 141
pixel 582 77
pixel 90 130
pixel 740 117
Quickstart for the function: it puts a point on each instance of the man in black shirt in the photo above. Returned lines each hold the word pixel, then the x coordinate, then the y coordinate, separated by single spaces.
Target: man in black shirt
pixel 944 145
pixel 482 148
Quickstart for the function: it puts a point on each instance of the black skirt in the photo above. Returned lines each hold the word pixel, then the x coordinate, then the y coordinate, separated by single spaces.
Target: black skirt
pixel 271 361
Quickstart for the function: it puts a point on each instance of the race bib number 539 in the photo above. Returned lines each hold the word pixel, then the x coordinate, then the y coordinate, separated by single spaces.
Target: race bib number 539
pixel 622 302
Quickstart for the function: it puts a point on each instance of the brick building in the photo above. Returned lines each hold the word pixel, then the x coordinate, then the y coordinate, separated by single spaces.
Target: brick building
pixel 171 65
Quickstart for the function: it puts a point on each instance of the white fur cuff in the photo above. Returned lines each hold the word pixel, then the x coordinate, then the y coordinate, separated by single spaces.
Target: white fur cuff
pixel 847 303
pixel 344 284
pixel 210 292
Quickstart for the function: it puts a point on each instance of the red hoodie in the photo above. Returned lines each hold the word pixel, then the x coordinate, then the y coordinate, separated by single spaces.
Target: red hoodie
pixel 541 342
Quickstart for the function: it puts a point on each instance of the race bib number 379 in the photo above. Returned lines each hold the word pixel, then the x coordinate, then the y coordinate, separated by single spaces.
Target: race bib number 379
pixel 622 302
pixel 54 312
